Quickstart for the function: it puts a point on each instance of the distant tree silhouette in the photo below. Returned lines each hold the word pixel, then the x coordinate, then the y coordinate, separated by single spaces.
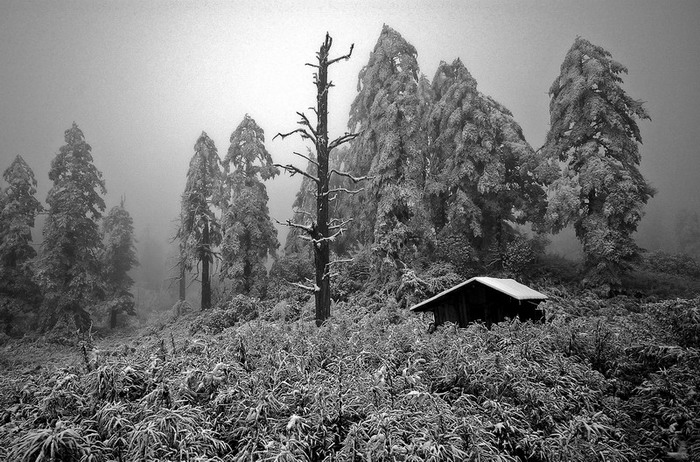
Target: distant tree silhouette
pixel 118 258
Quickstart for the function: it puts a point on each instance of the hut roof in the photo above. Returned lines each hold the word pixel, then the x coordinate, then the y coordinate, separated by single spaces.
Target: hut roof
pixel 509 287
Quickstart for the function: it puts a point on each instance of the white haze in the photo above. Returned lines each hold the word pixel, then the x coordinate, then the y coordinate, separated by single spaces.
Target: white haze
pixel 143 79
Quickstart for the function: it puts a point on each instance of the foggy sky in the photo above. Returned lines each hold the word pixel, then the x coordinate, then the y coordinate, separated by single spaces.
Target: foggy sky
pixel 143 79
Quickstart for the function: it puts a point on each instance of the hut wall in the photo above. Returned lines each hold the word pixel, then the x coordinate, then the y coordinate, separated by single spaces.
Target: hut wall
pixel 479 303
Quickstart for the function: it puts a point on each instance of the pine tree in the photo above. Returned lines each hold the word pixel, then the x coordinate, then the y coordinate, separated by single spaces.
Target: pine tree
pixel 249 234
pixel 388 113
pixel 200 231
pixel 69 270
pixel 18 210
pixel 594 133
pixel 118 258
pixel 482 174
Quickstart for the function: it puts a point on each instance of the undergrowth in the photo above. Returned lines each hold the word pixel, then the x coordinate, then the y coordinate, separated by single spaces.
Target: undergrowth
pixel 602 380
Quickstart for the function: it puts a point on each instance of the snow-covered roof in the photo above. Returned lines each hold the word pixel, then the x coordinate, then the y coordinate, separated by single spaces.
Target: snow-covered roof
pixel 510 287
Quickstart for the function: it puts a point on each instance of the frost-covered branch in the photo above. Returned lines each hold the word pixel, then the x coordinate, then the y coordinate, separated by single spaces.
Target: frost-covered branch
pixel 342 140
pixel 304 134
pixel 354 179
pixel 306 157
pixel 307 228
pixel 314 288
pixel 340 225
pixel 305 121
pixel 294 170
pixel 345 190
pixel 340 58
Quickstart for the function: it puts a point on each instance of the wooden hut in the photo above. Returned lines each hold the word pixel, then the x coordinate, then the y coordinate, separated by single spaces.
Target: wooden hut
pixel 484 299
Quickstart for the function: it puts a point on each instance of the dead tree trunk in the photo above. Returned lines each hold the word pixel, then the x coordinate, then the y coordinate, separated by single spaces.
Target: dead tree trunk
pixel 323 230
pixel 206 282
pixel 183 284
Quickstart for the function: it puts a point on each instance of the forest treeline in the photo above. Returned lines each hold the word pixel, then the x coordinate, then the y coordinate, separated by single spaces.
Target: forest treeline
pixel 432 176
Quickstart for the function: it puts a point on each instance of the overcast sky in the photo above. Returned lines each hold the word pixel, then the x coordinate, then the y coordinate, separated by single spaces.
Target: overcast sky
pixel 143 79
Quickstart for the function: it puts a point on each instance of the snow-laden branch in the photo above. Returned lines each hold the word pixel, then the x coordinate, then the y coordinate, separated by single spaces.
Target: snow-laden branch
pixel 305 157
pixel 305 121
pixel 313 288
pixel 294 170
pixel 354 179
pixel 339 224
pixel 345 190
pixel 304 134
pixel 340 58
pixel 307 228
pixel 341 140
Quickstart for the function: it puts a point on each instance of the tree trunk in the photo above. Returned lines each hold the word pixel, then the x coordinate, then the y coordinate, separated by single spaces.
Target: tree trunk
pixel 113 318
pixel 206 283
pixel 183 285
pixel 319 232
pixel 322 290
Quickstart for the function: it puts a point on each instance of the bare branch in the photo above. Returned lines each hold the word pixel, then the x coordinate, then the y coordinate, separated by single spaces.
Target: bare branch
pixel 294 170
pixel 305 121
pixel 330 238
pixel 304 134
pixel 340 225
pixel 354 179
pixel 342 139
pixel 306 157
pixel 340 58
pixel 308 228
pixel 302 286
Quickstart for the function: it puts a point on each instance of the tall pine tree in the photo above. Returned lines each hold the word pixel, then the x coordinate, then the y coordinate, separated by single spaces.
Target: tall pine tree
pixel 18 210
pixel 594 133
pixel 69 270
pixel 388 113
pixel 200 230
pixel 482 174
pixel 249 235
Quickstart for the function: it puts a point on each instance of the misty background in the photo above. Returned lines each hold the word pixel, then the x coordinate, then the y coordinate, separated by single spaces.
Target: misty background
pixel 143 80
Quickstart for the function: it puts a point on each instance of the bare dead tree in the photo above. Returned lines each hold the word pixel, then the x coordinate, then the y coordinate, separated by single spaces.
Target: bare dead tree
pixel 323 230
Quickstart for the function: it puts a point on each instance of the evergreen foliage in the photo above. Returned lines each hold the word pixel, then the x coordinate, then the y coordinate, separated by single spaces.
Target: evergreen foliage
pixel 388 113
pixel 69 270
pixel 18 210
pixel 200 230
pixel 594 134
pixel 249 235
pixel 118 258
pixel 482 174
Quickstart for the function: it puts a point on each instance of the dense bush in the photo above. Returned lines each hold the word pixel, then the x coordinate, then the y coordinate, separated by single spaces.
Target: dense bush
pixel 227 313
